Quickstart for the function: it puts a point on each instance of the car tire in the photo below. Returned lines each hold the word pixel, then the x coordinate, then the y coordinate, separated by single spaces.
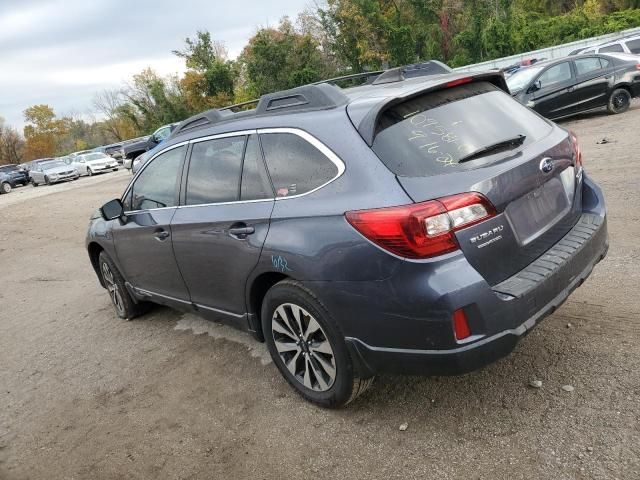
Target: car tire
pixel 34 183
pixel 619 101
pixel 5 187
pixel 46 180
pixel 121 299
pixel 89 172
pixel 311 353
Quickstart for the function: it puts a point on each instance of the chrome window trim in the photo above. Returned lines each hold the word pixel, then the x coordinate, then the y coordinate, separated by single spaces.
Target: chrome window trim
pixel 326 151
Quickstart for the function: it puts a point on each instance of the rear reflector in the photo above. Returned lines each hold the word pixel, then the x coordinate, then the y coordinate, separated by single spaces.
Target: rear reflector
pixel 461 325
pixel 422 230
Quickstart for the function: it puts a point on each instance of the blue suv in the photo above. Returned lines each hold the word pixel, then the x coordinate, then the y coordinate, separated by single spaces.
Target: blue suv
pixel 414 225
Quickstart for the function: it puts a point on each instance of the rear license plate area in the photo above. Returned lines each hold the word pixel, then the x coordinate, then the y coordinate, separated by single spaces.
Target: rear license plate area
pixel 536 212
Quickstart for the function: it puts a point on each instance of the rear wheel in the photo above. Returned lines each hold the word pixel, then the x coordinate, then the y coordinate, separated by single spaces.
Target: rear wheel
pixel 308 347
pixel 122 301
pixel 619 101
pixel 34 183
pixel 5 187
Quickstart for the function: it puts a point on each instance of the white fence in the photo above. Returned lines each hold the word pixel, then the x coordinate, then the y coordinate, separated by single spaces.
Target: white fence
pixel 549 52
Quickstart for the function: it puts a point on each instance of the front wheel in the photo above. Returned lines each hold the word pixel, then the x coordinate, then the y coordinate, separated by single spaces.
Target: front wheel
pixel 90 172
pixel 34 183
pixel 47 181
pixel 619 101
pixel 308 347
pixel 122 301
pixel 5 187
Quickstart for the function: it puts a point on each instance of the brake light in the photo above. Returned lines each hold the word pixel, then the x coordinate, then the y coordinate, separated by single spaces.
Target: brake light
pixel 461 328
pixel 459 81
pixel 577 153
pixel 637 66
pixel 422 230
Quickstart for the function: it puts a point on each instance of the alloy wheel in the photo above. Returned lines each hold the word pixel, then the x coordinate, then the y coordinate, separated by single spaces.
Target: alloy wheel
pixel 112 288
pixel 620 101
pixel 303 347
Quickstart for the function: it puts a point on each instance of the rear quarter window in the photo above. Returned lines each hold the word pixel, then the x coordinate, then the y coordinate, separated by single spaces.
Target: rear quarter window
pixel 295 166
pixel 428 135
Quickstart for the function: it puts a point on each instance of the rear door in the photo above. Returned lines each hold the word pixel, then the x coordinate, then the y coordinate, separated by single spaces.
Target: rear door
pixel 592 82
pixel 219 230
pixel 143 242
pixel 533 183
pixel 554 98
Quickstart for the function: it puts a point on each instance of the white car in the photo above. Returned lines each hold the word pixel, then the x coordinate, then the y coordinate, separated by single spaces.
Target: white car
pixel 629 44
pixel 92 163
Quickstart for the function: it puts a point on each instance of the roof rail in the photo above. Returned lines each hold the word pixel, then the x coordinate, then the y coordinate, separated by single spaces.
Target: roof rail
pixel 353 76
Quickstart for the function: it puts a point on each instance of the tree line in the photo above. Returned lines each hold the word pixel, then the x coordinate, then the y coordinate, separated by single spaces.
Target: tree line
pixel 336 37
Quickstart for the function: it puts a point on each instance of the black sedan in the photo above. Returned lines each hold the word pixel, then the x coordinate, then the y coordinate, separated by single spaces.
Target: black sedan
pixel 564 87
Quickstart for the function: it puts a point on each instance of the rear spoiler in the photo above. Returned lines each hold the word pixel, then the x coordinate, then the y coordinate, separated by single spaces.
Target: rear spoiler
pixel 367 127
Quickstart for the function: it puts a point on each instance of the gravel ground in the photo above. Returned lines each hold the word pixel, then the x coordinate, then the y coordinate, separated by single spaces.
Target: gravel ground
pixel 86 395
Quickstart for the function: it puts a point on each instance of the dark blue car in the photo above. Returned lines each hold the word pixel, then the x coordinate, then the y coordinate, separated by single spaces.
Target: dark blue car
pixel 419 225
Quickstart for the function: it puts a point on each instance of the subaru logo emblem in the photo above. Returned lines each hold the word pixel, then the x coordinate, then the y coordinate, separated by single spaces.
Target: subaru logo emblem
pixel 546 165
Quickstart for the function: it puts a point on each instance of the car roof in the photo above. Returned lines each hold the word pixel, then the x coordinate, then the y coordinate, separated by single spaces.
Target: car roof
pixel 388 87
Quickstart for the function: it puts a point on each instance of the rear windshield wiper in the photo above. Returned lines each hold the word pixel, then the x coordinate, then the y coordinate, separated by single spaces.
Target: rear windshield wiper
pixel 493 148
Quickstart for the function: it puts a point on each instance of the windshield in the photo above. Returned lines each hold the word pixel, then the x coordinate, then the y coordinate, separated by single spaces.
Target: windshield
pixel 50 165
pixel 431 134
pixel 522 77
pixel 95 156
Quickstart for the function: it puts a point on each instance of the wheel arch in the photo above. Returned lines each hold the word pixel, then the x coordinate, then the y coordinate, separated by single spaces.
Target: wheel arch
pixel 255 295
pixel 94 249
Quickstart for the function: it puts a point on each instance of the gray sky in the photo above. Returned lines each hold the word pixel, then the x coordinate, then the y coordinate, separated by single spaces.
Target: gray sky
pixel 61 52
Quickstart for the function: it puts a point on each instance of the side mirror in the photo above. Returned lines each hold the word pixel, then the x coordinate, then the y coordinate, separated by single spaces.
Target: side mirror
pixel 537 85
pixel 112 210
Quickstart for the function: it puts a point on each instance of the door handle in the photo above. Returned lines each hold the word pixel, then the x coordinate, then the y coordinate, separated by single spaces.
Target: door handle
pixel 162 234
pixel 241 232
pixel 570 89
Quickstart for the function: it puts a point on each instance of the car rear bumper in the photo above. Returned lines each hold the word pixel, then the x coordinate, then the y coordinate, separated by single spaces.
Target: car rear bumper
pixel 404 324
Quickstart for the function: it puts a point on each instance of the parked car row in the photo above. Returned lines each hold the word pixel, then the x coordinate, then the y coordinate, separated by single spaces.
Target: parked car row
pixel 54 170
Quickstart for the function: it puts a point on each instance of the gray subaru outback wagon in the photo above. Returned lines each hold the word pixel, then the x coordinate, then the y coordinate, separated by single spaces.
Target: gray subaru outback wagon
pixel 412 225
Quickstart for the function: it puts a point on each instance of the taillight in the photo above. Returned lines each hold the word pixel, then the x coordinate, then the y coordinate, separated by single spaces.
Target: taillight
pixel 577 153
pixel 422 230
pixel 637 66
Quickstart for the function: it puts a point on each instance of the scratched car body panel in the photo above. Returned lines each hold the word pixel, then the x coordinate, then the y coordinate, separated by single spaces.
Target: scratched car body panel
pixel 426 223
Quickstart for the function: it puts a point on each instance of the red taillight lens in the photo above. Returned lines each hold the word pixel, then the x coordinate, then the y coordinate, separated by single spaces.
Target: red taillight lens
pixel 422 230
pixel 459 81
pixel 577 153
pixel 460 325
pixel 637 66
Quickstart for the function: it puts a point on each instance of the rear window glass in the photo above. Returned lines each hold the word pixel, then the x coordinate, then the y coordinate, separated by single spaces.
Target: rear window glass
pixel 616 47
pixel 634 45
pixel 428 135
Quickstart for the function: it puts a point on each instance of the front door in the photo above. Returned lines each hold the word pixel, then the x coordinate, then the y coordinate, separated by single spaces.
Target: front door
pixel 219 231
pixel 143 241
pixel 554 98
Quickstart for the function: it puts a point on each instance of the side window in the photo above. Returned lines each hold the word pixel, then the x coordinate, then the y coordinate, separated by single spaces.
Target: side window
pixel 157 184
pixel 557 74
pixel 634 46
pixel 163 133
pixel 587 65
pixel 214 171
pixel 616 47
pixel 255 182
pixel 605 63
pixel 295 166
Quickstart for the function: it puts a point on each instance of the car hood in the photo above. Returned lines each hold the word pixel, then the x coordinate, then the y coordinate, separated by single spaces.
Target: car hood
pixel 59 170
